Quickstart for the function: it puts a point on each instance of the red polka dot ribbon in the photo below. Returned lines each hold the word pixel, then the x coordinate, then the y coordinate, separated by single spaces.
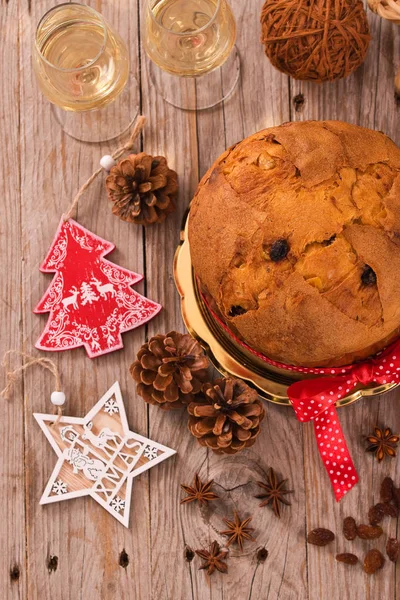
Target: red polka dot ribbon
pixel 314 400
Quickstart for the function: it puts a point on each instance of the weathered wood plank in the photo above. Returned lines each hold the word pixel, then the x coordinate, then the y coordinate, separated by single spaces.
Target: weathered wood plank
pixel 13 575
pixel 86 541
pixel 262 100
pixel 171 133
pixel 215 130
pixel 386 119
pixel 365 100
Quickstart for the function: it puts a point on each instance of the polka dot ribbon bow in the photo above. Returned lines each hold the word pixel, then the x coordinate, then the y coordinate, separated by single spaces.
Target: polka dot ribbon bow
pixel 314 400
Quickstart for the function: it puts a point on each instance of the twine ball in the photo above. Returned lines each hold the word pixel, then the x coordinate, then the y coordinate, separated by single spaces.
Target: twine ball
pixel 315 40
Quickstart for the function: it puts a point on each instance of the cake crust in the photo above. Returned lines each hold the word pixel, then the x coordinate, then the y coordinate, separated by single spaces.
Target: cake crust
pixel 295 233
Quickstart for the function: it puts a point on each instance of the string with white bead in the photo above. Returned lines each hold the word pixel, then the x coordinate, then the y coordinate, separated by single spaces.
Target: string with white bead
pixel 57 397
pixel 107 162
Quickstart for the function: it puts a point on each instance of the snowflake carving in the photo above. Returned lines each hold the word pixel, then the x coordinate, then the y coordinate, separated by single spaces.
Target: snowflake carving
pixel 111 407
pixel 59 487
pixel 117 504
pixel 150 453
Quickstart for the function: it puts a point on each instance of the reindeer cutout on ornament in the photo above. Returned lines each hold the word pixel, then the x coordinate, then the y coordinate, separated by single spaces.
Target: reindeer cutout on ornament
pixel 73 299
pixel 101 440
pixel 103 290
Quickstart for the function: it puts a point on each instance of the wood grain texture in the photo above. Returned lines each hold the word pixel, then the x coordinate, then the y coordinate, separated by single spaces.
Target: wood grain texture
pixel 75 550
pixel 13 573
pixel 54 166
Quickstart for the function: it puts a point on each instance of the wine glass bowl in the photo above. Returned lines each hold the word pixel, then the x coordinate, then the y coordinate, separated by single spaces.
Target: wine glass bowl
pixel 192 40
pixel 189 38
pixel 82 65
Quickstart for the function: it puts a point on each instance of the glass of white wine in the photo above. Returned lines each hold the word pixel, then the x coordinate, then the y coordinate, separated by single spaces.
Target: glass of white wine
pixel 191 43
pixel 82 67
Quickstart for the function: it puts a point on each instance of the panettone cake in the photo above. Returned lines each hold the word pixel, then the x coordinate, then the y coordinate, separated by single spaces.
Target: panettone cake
pixel 295 234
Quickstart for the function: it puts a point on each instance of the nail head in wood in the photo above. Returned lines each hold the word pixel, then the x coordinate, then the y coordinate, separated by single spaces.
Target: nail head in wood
pixel 188 554
pixel 299 102
pixel 123 559
pixel 52 563
pixel 14 573
pixel 262 555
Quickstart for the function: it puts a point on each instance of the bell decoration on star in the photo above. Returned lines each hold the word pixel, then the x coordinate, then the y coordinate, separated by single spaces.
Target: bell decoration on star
pixel 90 300
pixel 226 416
pixel 317 41
pixel 143 189
pixel 170 370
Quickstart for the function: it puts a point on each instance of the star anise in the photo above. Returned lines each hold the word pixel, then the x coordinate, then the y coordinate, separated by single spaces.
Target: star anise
pixel 214 559
pixel 199 491
pixel 238 531
pixel 274 494
pixel 382 443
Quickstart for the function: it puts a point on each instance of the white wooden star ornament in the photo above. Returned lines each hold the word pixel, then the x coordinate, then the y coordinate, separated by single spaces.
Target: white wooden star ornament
pixel 98 455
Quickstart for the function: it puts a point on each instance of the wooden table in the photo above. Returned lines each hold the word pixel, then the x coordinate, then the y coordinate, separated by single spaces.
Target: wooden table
pixel 75 550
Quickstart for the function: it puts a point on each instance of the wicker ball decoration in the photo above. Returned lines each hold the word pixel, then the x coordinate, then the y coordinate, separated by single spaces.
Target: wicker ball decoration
pixel 315 40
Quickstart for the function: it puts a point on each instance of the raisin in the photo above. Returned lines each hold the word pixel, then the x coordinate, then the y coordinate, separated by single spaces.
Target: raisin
pixel 369 532
pixel 390 510
pixel 387 489
pixel 392 549
pixel 368 276
pixel 320 536
pixel 279 250
pixel 373 561
pixel 236 311
pixel 347 558
pixel 376 513
pixel 349 528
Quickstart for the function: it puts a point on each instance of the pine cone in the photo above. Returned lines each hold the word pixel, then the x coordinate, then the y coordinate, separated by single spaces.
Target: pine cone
pixel 170 370
pixel 142 188
pixel 226 416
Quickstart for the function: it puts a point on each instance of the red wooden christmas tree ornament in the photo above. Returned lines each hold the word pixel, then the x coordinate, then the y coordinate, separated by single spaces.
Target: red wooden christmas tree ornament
pixel 90 300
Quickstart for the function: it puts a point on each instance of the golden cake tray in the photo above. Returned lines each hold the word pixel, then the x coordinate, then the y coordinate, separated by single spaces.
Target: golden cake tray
pixel 229 357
